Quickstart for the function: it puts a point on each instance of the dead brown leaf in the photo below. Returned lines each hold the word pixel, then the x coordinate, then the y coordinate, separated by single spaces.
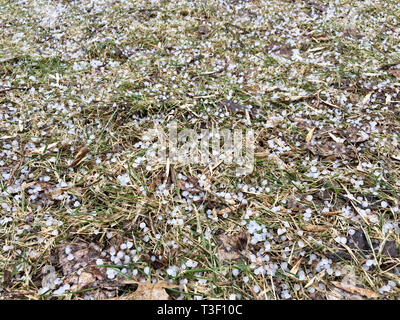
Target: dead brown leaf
pixel 148 291
pixel 395 73
pixel 356 135
pixel 234 107
pixel 281 49
pixel 203 29
pixel 390 249
pixel 14 171
pixel 6 277
pixel 354 289
pixel 229 209
pixel 231 247
pixel 85 280
pixel 339 294
pixel 82 152
pixel 331 149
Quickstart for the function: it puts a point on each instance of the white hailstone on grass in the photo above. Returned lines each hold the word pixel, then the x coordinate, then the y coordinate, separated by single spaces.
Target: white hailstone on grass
pixel 43 290
pixel 124 179
pixel 311 289
pixel 384 204
pixel 235 272
pixel 370 263
pixel 111 273
pixel 281 231
pixel 172 271
pixel 384 289
pixel 70 257
pixel 146 270
pixel 232 296
pixel 61 290
pixel 256 289
pixel 99 262
pixel 342 240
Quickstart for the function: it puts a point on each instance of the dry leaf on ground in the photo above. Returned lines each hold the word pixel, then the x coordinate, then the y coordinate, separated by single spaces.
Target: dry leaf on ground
pixel 395 73
pixel 83 151
pixel 148 291
pixel 238 108
pixel 231 247
pixel 354 289
pixel 331 149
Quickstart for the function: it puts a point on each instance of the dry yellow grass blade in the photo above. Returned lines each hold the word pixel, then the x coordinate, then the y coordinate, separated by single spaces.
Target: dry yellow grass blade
pixel 314 228
pixel 310 134
pixel 332 213
pixel 296 267
pixel 353 289
pixel 334 138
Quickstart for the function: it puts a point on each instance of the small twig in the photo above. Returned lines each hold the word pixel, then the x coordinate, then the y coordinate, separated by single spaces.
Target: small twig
pixel 5 89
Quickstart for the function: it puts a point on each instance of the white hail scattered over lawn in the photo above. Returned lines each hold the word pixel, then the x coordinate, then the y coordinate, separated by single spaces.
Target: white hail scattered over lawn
pixel 87 64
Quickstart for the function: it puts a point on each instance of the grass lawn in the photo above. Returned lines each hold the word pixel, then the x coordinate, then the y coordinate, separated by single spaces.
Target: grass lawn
pixel 84 214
